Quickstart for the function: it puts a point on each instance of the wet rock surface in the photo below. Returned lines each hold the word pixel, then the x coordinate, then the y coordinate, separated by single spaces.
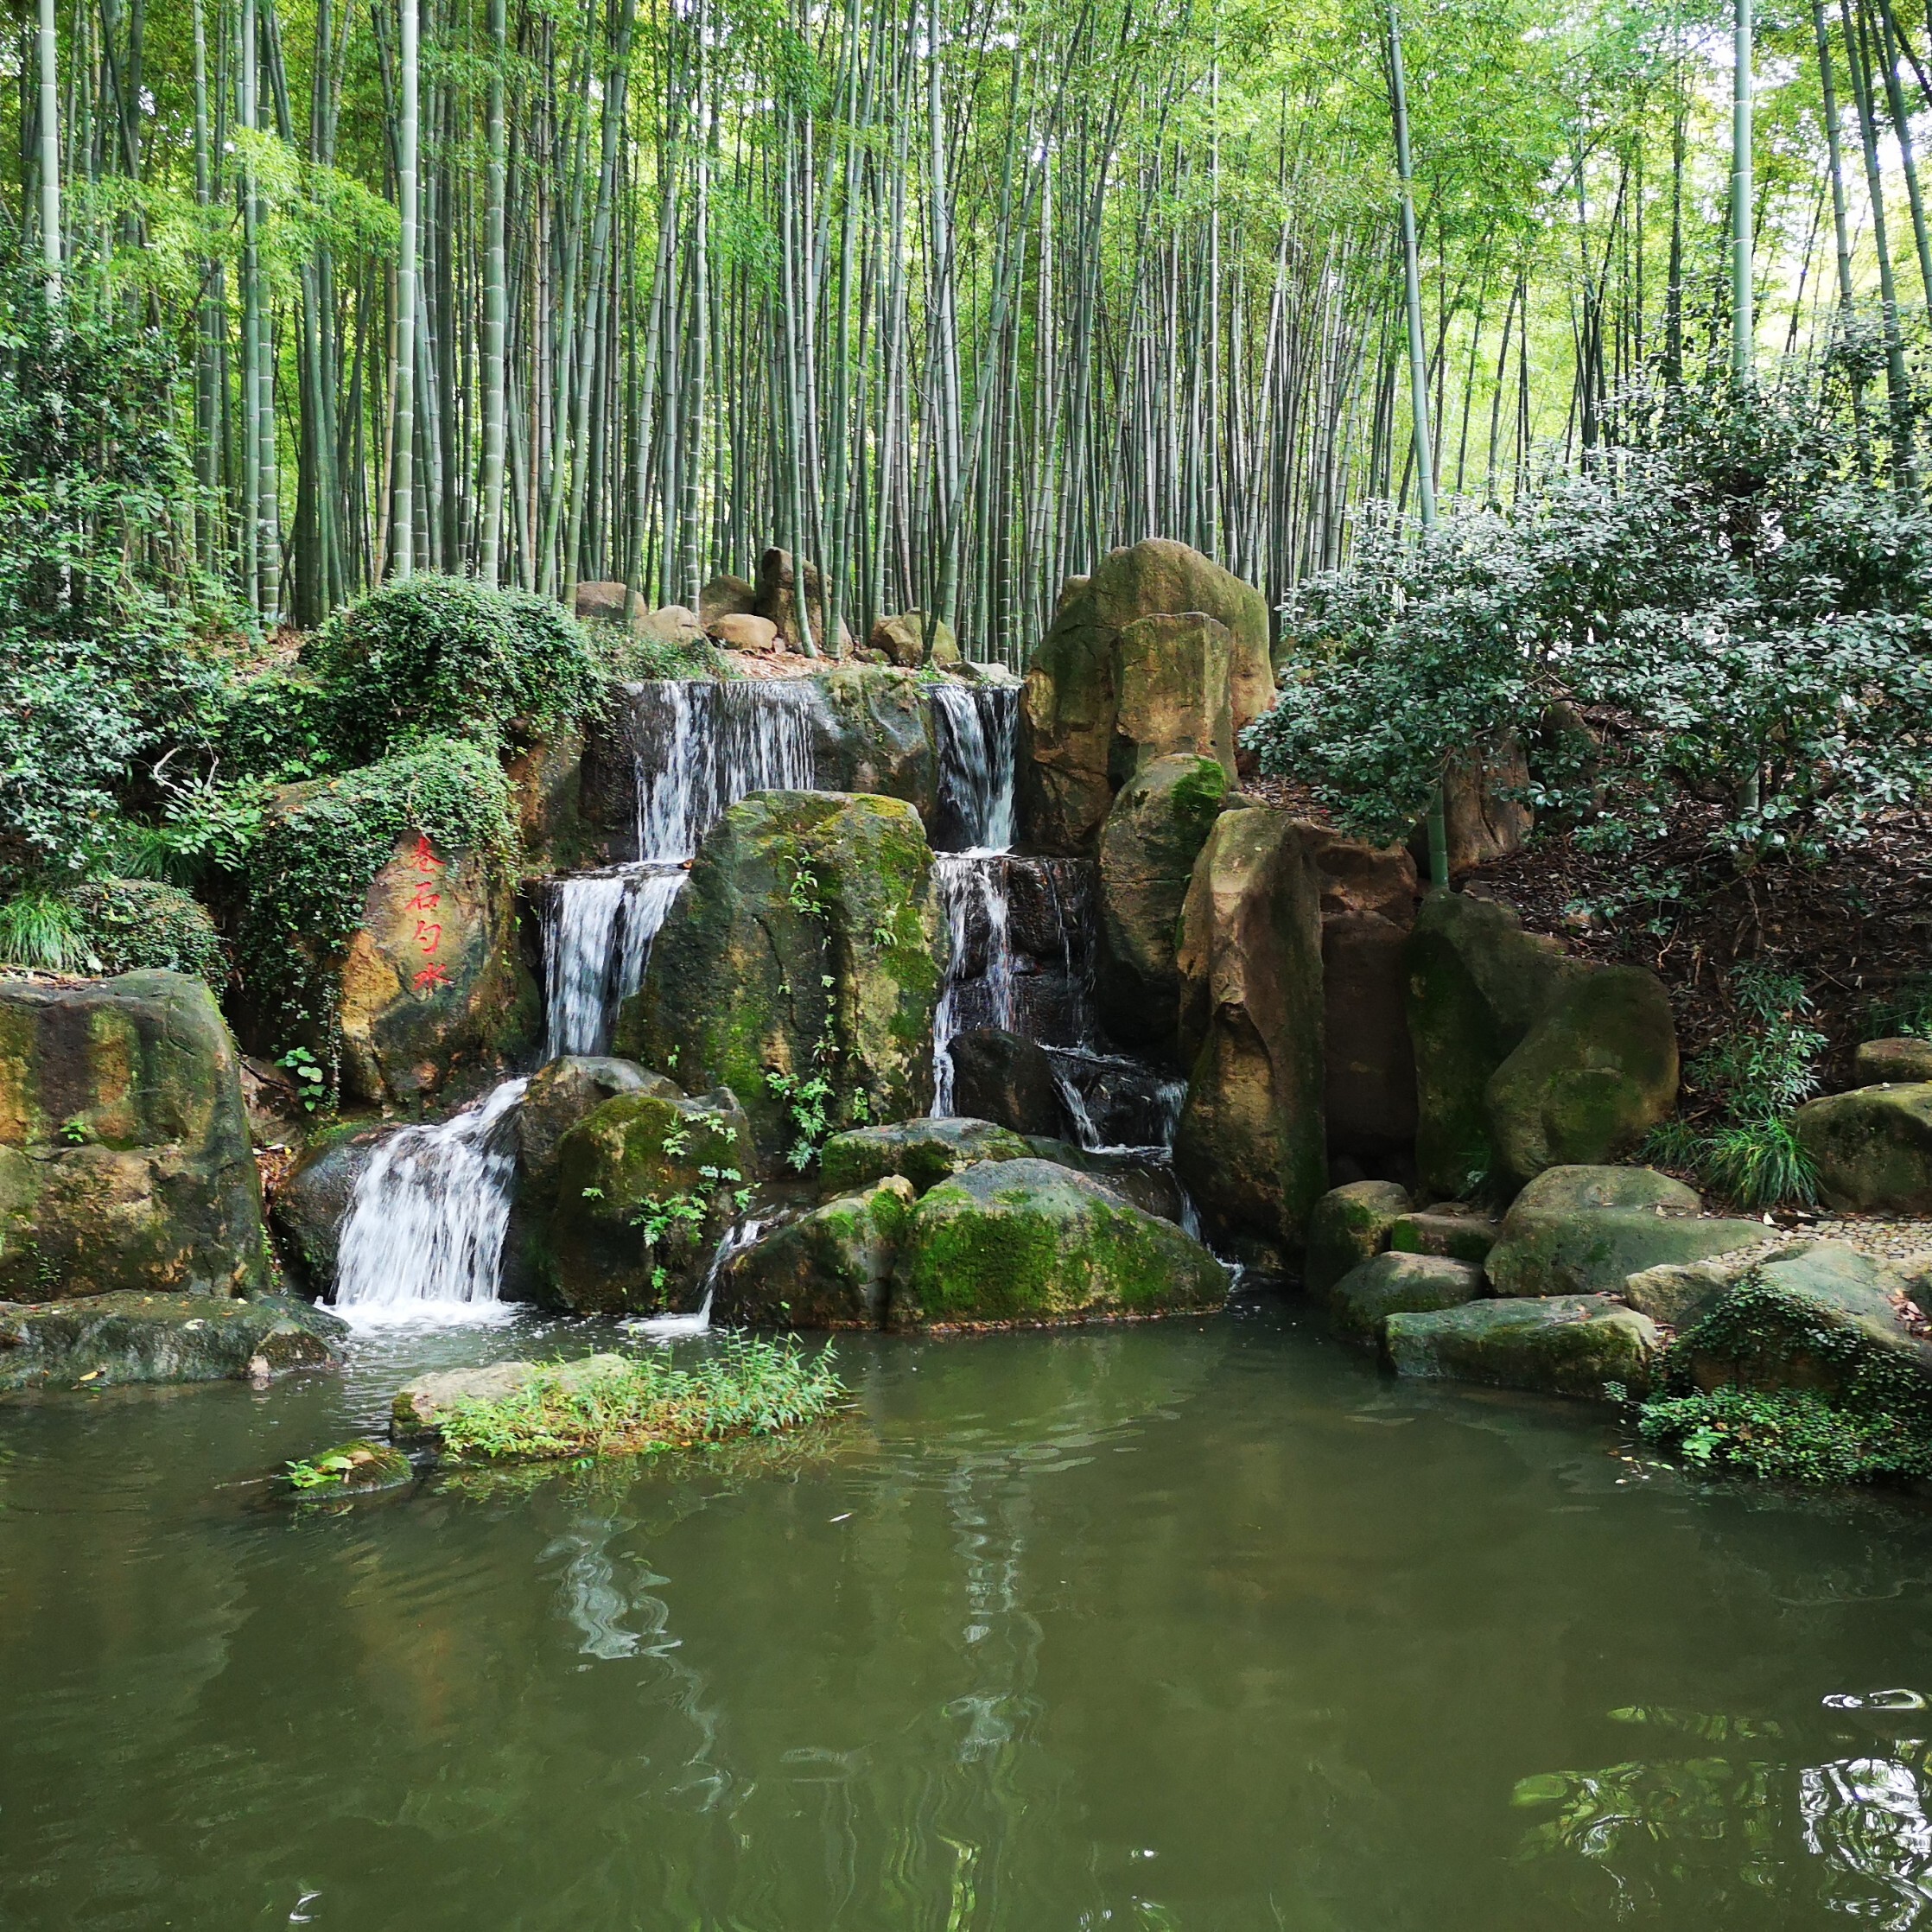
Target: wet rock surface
pixel 1557 1345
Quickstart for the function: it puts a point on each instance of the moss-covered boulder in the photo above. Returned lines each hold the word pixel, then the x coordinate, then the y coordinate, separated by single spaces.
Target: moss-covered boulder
pixel 378 926
pixel 998 1075
pixel 98 1341
pixel 1346 1227
pixel 1175 678
pixel 311 1201
pixel 807 948
pixel 1391 1284
pixel 1676 1292
pixel 560 1094
pixel 1904 1062
pixel 646 1183
pixel 829 1268
pixel 1462 1233
pixel 926 1152
pixel 1584 1230
pixel 546 796
pixel 1525 1058
pixel 871 731
pixel 1155 831
pixel 1821 1317
pixel 125 1154
pixel 1557 1345
pixel 1025 1241
pixel 1251 1146
pixel 1592 1078
pixel 1872 1146
pixel 419 1408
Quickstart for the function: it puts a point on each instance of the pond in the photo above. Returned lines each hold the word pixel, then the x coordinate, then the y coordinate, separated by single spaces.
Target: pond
pixel 1198 1624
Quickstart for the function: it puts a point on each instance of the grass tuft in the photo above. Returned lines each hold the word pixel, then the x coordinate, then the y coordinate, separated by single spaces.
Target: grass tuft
pixel 748 1386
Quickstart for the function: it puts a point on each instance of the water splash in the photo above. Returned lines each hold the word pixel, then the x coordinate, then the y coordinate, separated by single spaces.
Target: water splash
pixel 670 1328
pixel 424 1236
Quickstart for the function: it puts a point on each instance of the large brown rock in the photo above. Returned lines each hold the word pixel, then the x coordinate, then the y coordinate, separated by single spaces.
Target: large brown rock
pixel 726 595
pixel 871 731
pixel 779 599
pixel 1099 702
pixel 1483 813
pixel 1904 1062
pixel 911 639
pixel 745 631
pixel 1251 1146
pixel 124 1155
pixel 1154 832
pixel 1368 906
pixel 603 602
pixel 998 1076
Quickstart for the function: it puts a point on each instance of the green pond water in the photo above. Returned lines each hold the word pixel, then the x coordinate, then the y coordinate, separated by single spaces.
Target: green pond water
pixel 1197 1625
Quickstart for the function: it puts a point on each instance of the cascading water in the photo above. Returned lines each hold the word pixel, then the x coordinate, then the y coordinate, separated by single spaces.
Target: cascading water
pixel 696 749
pixel 424 1230
pixel 977 726
pixel 425 1227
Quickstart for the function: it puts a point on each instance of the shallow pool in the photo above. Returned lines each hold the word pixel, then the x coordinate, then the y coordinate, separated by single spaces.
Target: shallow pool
pixel 1197 1625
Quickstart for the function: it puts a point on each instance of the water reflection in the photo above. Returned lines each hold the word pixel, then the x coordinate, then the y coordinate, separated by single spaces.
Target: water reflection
pixel 1852 1832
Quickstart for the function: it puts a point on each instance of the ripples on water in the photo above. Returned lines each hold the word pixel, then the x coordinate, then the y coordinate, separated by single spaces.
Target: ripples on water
pixel 1197 1625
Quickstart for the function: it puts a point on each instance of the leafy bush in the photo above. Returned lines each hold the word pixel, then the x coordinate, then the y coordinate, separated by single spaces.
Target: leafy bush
pixel 748 1387
pixel 445 656
pixel 1746 614
pixel 308 876
pixel 1758 1070
pixel 134 925
pixel 631 659
pixel 278 725
pixel 1797 1434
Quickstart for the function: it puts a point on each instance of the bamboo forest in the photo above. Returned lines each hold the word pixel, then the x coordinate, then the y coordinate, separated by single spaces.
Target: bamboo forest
pixel 965 967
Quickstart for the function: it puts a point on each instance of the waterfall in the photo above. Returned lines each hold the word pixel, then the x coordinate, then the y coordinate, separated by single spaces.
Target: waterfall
pixel 977 727
pixel 696 748
pixel 1117 1104
pixel 598 927
pixel 973 896
pixel 423 1234
pixel 668 1328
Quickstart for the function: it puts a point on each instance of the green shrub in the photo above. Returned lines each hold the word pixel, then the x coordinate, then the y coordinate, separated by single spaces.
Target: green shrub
pixel 278 725
pixel 135 925
pixel 1796 1434
pixel 633 659
pixel 308 877
pixel 748 1387
pixel 446 656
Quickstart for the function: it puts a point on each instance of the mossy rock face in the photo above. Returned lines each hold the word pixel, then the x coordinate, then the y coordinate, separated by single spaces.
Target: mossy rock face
pixel 872 732
pixel 308 1207
pixel 1458 1232
pixel 124 1156
pixel 1819 1318
pixel 1348 1226
pixel 1025 1241
pixel 808 944
pixel 1251 1146
pixel 1902 1062
pixel 546 788
pixel 926 1152
pixel 1099 702
pixel 99 1341
pixel 1154 833
pixel 645 1186
pixel 829 1268
pixel 141 924
pixel 1557 1345
pixel 1391 1284
pixel 1478 983
pixel 1593 1077
pixel 1873 1147
pixel 350 1466
pixel 1585 1230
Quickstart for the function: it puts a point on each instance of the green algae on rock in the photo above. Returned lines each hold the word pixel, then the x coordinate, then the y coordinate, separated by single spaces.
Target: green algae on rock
pixel 1873 1147
pixel 1555 1345
pixel 926 1151
pixel 829 1268
pixel 1346 1227
pixel 1392 1284
pixel 102 1341
pixel 800 967
pixel 124 1156
pixel 1026 1241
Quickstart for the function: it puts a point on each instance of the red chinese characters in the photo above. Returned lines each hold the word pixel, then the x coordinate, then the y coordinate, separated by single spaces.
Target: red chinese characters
pixel 428 932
